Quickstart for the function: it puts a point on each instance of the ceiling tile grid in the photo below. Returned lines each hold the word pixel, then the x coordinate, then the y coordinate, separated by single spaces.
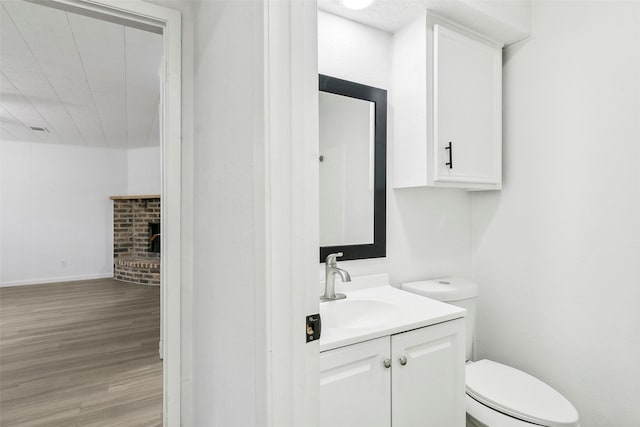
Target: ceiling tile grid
pixel 89 82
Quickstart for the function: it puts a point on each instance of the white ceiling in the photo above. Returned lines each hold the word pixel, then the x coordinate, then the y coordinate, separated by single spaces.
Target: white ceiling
pixel 385 15
pixel 506 21
pixel 89 82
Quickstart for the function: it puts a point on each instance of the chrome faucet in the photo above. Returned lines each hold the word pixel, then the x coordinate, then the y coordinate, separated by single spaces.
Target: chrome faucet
pixel 330 270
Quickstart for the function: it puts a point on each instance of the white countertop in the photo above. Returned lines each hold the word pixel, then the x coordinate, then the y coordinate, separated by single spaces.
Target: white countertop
pixel 406 311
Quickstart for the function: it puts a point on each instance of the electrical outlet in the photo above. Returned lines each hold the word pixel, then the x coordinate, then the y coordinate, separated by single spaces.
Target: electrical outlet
pixel 64 263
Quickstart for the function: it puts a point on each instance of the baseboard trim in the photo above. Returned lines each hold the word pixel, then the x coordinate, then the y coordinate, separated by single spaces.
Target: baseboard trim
pixel 54 280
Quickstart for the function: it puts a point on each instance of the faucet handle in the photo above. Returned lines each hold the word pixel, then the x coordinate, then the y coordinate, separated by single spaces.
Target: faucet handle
pixel 331 258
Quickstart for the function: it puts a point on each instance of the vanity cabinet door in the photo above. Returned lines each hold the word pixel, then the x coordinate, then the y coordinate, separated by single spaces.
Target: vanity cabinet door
pixel 468 108
pixel 428 376
pixel 355 388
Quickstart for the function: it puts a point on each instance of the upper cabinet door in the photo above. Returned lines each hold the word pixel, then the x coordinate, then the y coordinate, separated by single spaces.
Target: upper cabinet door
pixel 355 388
pixel 428 376
pixel 467 85
pixel 447 97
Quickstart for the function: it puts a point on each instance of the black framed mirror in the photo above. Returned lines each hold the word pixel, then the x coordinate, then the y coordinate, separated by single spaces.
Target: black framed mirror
pixel 353 169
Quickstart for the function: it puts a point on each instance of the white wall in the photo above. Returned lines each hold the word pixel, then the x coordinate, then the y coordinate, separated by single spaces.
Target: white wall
pixel 228 81
pixel 143 171
pixel 428 230
pixel 557 251
pixel 56 219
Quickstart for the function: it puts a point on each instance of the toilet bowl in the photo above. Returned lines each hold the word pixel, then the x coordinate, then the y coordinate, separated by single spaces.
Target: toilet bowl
pixel 497 395
pixel 501 396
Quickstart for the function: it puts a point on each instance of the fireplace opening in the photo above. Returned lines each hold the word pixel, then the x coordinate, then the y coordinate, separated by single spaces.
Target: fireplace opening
pixel 154 237
pixel 136 239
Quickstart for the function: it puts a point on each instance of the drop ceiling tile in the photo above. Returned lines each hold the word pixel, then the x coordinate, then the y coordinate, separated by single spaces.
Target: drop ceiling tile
pixel 40 94
pixel 48 36
pixel 5 117
pixel 12 125
pixel 14 53
pixel 89 125
pixel 74 94
pixel 16 133
pixel 153 137
pixel 101 46
pixel 71 86
pixel 143 55
pixel 96 41
pixel 109 101
pixel 32 84
pixel 17 106
pixel 6 135
pixel 49 137
pixel 17 62
pixel 25 114
pixel 138 130
pixel 12 129
pixel 88 81
pixel 115 128
pixel 6 87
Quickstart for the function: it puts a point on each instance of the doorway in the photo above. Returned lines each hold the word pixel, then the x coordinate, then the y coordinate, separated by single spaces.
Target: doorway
pixel 164 22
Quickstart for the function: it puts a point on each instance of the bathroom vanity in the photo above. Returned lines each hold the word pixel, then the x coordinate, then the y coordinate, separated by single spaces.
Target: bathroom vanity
pixel 390 358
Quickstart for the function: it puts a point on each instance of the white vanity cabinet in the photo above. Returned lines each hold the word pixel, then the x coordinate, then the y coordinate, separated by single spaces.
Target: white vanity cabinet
pixel 355 386
pixel 429 389
pixel 447 100
pixel 414 378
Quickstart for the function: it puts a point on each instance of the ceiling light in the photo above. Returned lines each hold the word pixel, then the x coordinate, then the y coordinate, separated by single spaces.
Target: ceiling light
pixel 39 128
pixel 356 4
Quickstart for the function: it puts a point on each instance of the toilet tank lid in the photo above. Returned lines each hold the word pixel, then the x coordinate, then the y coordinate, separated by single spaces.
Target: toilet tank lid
pixel 443 289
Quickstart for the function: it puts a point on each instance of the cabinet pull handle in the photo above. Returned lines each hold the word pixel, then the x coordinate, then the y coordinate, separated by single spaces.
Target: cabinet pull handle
pixel 403 360
pixel 387 363
pixel 450 148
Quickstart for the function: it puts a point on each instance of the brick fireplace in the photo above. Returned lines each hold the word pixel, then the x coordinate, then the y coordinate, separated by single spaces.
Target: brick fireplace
pixel 136 239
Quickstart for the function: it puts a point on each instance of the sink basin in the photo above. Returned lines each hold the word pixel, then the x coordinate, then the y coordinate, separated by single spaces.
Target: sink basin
pixel 357 313
pixel 374 309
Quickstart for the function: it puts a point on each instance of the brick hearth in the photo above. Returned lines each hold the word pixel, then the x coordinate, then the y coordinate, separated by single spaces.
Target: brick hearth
pixel 132 259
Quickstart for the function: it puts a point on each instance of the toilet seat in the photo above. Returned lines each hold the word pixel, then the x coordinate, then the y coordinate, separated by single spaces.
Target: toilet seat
pixel 479 415
pixel 518 395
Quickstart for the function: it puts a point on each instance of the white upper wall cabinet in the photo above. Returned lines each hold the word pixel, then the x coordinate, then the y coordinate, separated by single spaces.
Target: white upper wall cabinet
pixel 447 99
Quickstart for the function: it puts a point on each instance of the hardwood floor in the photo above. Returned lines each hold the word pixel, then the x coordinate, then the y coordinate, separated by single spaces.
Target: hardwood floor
pixel 80 354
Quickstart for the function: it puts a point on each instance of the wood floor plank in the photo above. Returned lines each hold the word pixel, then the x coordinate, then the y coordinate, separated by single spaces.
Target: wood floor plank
pixel 80 354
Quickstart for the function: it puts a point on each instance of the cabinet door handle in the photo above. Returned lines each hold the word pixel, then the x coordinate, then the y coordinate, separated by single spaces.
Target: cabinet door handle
pixel 450 148
pixel 387 363
pixel 403 360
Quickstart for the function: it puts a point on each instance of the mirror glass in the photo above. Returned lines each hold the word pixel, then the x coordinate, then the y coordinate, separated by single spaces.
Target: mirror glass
pixel 346 170
pixel 352 169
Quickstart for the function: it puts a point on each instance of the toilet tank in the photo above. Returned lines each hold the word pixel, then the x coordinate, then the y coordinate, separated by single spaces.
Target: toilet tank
pixel 455 291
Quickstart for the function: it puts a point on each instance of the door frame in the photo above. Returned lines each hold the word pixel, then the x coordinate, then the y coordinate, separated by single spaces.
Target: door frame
pixel 288 393
pixel 291 215
pixel 168 22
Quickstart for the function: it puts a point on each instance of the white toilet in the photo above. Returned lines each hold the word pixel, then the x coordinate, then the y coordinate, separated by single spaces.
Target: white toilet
pixel 497 395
